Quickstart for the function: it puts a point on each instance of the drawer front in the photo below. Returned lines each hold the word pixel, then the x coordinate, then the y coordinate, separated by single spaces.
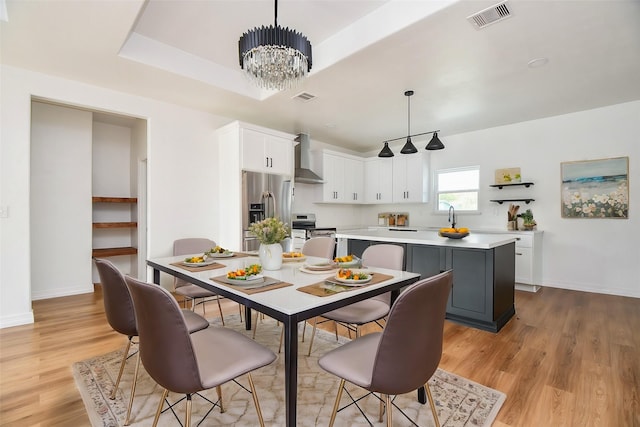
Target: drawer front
pixel 523 240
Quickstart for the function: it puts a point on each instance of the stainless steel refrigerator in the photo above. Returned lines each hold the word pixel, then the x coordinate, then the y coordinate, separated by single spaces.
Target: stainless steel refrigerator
pixel 264 196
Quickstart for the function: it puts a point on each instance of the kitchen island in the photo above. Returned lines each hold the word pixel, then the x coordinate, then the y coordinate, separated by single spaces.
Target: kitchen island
pixel 483 267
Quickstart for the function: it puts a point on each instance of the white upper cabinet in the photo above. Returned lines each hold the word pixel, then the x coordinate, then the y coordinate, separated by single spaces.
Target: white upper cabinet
pixel 411 178
pixel 343 178
pixel 378 178
pixel 265 152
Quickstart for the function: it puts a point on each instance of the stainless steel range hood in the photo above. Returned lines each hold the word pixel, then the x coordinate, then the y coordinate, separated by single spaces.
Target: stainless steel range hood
pixel 303 172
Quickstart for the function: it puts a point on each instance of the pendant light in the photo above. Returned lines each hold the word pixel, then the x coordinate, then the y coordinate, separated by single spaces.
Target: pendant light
pixel 409 148
pixel 386 151
pixel 435 143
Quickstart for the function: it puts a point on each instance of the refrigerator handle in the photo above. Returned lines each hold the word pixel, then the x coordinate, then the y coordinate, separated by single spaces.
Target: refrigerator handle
pixel 266 197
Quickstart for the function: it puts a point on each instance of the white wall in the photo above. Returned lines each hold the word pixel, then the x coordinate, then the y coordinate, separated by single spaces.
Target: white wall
pixel 181 162
pixel 596 255
pixel 60 201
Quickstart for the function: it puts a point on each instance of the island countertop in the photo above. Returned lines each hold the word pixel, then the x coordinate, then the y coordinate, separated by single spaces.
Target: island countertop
pixel 427 237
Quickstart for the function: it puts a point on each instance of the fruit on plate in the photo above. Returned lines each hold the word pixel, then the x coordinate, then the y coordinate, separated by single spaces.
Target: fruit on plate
pixel 460 230
pixel 218 250
pixel 195 259
pixel 347 258
pixel 245 273
pixel 345 273
pixel 293 254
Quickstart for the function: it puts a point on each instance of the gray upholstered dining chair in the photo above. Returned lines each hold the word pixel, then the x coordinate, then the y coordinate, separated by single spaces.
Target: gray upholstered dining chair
pixel 189 363
pixel 374 309
pixel 322 247
pixel 405 355
pixel 189 291
pixel 118 308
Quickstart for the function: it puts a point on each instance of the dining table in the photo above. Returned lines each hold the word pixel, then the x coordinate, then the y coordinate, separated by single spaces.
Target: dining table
pixel 292 294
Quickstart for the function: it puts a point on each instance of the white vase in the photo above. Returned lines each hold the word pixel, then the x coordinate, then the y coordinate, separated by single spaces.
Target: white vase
pixel 270 256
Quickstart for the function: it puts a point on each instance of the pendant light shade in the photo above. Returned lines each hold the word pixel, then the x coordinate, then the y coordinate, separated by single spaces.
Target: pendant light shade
pixel 435 143
pixel 386 151
pixel 409 148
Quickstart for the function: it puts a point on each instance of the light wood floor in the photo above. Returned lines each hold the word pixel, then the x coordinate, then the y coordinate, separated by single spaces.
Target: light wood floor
pixel 567 359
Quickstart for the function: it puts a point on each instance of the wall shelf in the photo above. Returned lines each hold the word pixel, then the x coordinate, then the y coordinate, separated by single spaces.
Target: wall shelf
pixel 501 201
pixel 109 252
pixel 116 251
pixel 526 184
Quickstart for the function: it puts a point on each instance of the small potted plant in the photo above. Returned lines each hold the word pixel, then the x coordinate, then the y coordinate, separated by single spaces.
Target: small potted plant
pixel 528 223
pixel 270 232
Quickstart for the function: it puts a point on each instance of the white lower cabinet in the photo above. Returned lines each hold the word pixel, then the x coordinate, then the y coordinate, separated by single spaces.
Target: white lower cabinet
pixel 528 260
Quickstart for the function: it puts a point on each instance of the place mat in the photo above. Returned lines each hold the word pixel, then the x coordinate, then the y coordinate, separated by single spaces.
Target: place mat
pixel 194 269
pixel 269 284
pixel 242 255
pixel 321 289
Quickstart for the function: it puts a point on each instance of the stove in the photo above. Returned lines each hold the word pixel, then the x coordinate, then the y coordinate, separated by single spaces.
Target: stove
pixel 303 227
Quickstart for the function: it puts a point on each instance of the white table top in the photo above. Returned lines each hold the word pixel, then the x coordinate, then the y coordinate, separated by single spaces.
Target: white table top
pixel 285 300
pixel 427 237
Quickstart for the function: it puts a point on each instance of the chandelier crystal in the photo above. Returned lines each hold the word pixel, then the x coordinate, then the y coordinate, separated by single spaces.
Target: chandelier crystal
pixel 273 57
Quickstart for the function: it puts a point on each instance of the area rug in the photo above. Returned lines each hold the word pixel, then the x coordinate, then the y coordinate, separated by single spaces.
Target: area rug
pixel 459 402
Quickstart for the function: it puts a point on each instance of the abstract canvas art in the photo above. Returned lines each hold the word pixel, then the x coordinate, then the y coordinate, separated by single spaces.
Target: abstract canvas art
pixel 595 188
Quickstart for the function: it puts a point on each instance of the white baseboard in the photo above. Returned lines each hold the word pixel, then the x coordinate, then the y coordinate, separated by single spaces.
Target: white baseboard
pixel 61 292
pixel 16 320
pixel 527 288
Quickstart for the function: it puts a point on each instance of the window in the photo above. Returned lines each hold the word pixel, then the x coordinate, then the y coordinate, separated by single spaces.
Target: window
pixel 458 188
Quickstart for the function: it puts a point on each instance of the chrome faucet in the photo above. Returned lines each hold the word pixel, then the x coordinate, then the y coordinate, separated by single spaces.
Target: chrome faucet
pixel 452 216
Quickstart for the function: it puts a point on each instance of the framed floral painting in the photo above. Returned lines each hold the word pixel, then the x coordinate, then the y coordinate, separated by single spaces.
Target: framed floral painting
pixel 595 188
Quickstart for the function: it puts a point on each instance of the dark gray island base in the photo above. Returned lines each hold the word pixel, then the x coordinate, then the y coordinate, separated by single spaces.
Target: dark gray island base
pixel 482 295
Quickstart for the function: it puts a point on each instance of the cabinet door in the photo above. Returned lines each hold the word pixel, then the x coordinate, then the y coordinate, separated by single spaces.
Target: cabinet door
pixel 262 152
pixel 279 154
pixel 524 265
pixel 333 169
pixel 354 181
pixel 426 260
pixel 472 292
pixel 410 178
pixel 378 177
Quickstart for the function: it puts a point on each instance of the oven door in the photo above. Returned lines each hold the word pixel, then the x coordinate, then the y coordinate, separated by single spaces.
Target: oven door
pixel 298 236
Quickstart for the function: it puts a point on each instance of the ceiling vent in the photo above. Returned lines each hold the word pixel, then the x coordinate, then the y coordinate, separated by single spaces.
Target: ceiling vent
pixel 490 15
pixel 304 97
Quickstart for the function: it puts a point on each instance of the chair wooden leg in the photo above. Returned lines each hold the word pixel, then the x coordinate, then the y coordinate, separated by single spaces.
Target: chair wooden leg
pixel 255 325
pixel 160 405
pixel 220 309
pixel 187 415
pixel 304 329
pixel 255 400
pixel 337 403
pixel 127 420
pixel 124 360
pixel 432 404
pixel 381 409
pixel 240 311
pixel 281 338
pixel 313 333
pixel 389 411
pixel 219 391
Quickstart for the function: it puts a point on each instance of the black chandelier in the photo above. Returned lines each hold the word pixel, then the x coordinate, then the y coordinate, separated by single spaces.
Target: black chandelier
pixel 409 148
pixel 275 57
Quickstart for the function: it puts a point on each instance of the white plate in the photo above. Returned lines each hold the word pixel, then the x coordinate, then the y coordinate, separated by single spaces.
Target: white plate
pixel 220 255
pixel 321 266
pixel 198 264
pixel 354 263
pixel 251 280
pixel 350 282
pixel 293 259
pixel 304 270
